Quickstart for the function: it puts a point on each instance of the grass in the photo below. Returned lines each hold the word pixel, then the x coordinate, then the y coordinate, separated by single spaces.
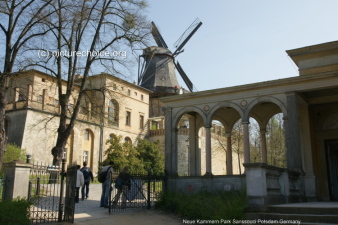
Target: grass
pixel 14 212
pixel 204 205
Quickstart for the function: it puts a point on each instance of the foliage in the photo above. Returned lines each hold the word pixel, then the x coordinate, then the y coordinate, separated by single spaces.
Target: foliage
pixel 14 212
pixel 151 155
pixel 138 158
pixel 237 144
pixel 12 153
pixel 227 205
pixel 123 154
pixel 275 142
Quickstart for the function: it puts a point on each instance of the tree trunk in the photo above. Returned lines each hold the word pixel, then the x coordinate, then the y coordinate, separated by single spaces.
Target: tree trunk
pixel 3 137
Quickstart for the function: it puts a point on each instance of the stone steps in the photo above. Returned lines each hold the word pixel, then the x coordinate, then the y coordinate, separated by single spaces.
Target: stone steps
pixel 307 213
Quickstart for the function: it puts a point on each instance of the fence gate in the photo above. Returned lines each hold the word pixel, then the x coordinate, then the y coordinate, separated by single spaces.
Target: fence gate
pixel 144 192
pixel 46 192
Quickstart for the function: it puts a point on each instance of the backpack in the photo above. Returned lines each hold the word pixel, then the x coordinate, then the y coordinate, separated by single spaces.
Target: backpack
pixel 86 174
pixel 102 176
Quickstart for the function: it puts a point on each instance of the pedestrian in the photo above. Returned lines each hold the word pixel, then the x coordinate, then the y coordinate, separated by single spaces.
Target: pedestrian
pixel 79 183
pixel 88 175
pixel 106 185
pixel 123 183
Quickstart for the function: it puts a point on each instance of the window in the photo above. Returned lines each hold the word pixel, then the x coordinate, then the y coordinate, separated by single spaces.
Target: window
pixel 141 97
pixel 40 98
pixel 127 140
pixel 135 93
pixel 85 156
pixel 141 121
pixel 43 79
pixel 86 135
pixel 128 92
pixel 128 118
pixel 22 98
pixel 64 155
pixel 113 113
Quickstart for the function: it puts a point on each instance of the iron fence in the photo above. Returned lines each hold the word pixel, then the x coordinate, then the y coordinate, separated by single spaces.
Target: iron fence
pixel 47 191
pixel 44 193
pixel 2 188
pixel 143 193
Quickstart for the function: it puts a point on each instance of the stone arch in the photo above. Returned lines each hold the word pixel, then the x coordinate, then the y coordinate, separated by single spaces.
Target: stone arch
pixel 274 100
pixel 127 140
pixel 224 104
pixel 185 110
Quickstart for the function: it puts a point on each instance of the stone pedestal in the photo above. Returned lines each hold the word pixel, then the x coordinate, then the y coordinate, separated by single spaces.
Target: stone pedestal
pixel 17 179
pixel 256 184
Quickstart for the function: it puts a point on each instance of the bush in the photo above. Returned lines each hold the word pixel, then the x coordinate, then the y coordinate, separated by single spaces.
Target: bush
pixel 205 206
pixel 12 153
pixel 14 212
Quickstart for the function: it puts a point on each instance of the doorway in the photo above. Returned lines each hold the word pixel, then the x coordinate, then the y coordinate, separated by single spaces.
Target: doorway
pixel 332 162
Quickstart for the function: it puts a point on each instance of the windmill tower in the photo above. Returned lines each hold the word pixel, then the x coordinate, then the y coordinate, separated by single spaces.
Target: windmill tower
pixel 158 68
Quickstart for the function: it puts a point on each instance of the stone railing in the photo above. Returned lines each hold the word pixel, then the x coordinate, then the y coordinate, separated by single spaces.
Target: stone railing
pixel 267 185
pixel 160 132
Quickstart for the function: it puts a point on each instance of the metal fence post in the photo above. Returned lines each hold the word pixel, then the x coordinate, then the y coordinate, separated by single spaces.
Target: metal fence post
pixel 61 190
pixel 148 197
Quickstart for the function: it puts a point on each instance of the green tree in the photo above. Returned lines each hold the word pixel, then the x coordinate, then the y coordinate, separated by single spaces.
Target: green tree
pixel 123 154
pixel 151 155
pixel 276 141
pixel 145 154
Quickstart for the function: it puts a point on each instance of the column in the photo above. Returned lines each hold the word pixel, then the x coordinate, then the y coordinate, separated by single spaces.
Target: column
pixel 29 94
pixel 246 143
pixel 170 144
pixel 44 98
pixel 229 154
pixel 263 144
pixel 192 147
pixel 292 134
pixel 208 150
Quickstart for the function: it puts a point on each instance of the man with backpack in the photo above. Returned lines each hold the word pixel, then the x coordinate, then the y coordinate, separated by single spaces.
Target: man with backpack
pixel 106 182
pixel 88 175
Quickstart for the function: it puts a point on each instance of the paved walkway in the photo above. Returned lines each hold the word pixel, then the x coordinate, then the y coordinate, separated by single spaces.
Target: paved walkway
pixel 89 212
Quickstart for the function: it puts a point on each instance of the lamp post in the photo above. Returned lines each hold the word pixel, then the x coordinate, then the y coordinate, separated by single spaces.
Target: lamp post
pixel 28 158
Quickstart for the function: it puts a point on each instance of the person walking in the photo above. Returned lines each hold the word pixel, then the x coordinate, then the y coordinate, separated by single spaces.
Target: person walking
pixel 123 183
pixel 88 175
pixel 79 183
pixel 106 184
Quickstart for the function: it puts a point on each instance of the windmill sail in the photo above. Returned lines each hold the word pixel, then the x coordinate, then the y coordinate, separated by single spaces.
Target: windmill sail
pixel 184 77
pixel 157 36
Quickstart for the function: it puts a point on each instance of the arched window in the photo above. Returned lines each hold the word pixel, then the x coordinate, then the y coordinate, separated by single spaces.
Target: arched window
pixel 113 113
pixel 86 135
pixel 127 140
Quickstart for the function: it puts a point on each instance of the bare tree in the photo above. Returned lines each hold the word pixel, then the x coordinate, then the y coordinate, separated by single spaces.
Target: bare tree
pixel 86 35
pixel 21 21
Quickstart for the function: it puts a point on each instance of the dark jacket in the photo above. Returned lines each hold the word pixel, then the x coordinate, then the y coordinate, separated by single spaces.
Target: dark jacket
pixel 125 177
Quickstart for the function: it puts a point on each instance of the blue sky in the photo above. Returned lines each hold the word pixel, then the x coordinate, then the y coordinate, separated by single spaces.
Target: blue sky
pixel 243 42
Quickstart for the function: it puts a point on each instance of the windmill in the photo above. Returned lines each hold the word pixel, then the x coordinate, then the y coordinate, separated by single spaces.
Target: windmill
pixel 157 72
